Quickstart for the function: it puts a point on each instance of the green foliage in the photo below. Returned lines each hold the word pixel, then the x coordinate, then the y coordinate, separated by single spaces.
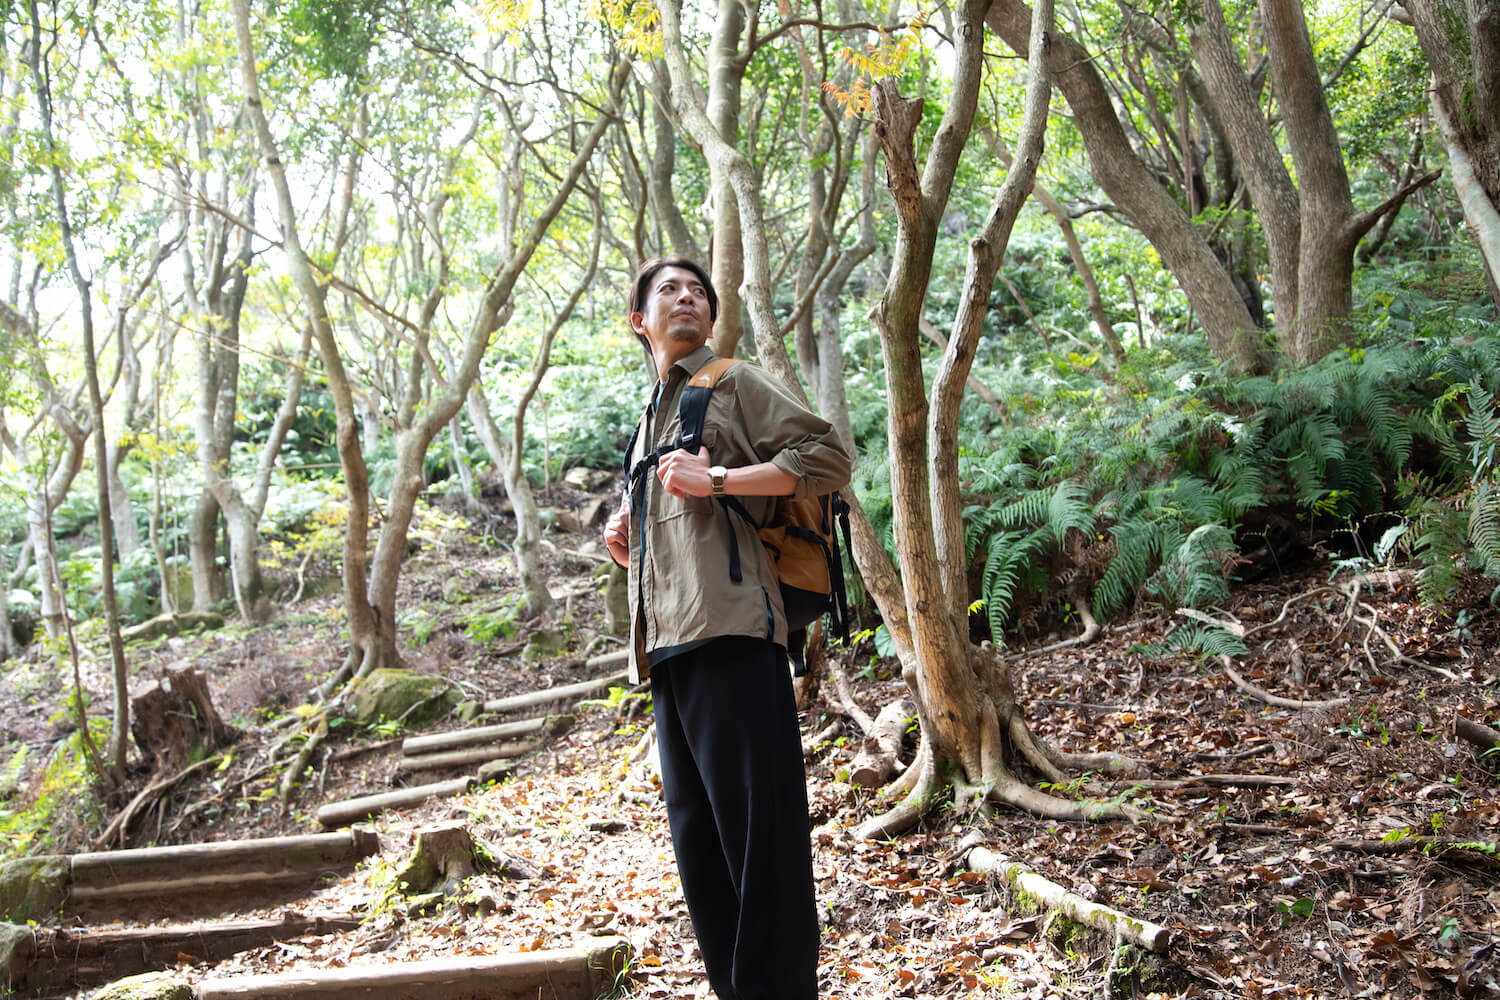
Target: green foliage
pixel 1146 489
pixel 60 800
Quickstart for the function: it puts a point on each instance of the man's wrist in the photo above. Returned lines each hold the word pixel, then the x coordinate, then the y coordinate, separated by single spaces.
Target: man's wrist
pixel 717 475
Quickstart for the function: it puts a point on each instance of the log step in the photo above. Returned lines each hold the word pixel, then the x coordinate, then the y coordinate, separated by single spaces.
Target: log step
pixel 581 973
pixel 70 958
pixel 151 871
pixel 350 810
pixel 417 745
pixel 465 758
pixel 548 695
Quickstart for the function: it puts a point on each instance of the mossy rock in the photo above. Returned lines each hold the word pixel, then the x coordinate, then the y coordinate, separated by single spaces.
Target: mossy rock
pixel 543 643
pixel 392 693
pixel 33 888
pixel 148 986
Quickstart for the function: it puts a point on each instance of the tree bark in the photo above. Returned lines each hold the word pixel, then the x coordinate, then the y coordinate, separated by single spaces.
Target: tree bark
pixel 726 73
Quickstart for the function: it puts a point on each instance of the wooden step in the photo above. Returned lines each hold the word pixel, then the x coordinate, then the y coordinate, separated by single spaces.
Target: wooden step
pixel 417 745
pixel 465 758
pixel 548 695
pixel 71 958
pixel 350 810
pixel 581 973
pixel 104 875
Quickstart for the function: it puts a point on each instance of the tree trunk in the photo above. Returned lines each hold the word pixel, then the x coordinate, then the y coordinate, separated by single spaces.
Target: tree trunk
pixel 662 166
pixel 413 440
pixel 122 511
pixel 1461 41
pixel 203 551
pixel 359 615
pixel 119 669
pixel 1120 172
pixel 726 71
pixel 971 727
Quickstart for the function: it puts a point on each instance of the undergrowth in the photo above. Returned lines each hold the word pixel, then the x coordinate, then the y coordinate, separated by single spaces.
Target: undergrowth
pixel 1150 485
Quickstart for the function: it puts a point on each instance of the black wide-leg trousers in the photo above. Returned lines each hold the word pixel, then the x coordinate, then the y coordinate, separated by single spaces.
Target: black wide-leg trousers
pixel 736 791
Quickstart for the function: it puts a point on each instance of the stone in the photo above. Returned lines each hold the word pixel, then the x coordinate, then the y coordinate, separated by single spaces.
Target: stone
pixel 544 642
pixel 148 986
pixel 33 888
pixel 391 693
pixel 17 945
pixel 494 770
pixel 616 601
pixel 453 590
pixel 586 479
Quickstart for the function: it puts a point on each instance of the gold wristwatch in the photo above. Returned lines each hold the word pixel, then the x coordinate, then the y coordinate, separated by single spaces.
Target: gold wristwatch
pixel 716 474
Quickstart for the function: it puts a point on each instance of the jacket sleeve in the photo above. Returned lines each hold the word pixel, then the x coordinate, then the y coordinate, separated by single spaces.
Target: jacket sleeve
pixel 790 436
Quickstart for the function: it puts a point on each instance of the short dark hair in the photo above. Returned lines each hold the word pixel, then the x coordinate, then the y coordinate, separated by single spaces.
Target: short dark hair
pixel 641 283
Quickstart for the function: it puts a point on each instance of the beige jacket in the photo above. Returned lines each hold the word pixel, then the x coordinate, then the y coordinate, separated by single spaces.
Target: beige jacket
pixel 681 593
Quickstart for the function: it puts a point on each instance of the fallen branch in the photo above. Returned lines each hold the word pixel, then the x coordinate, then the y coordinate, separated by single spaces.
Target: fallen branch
pixel 1486 851
pixel 880 757
pixel 1143 933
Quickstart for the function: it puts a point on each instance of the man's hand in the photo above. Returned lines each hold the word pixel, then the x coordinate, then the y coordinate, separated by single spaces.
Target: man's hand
pixel 684 474
pixel 617 535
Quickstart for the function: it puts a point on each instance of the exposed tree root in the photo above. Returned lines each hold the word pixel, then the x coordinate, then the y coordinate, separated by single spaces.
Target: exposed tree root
pixel 1021 795
pixel 120 825
pixel 1217 780
pixel 846 698
pixel 1143 933
pixel 880 757
pixel 1275 701
pixel 1390 644
pixel 304 756
pixel 909 811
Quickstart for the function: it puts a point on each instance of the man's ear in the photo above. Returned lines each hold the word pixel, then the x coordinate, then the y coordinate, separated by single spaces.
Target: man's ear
pixel 638 323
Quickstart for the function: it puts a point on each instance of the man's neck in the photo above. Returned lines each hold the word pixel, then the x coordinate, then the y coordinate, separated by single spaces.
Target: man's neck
pixel 667 358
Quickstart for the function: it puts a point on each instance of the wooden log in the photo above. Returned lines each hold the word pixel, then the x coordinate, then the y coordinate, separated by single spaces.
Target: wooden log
pixel 548 695
pixel 1477 733
pixel 464 758
pixel 195 867
pixel 415 746
pixel 342 813
pixel 581 973
pixel 70 958
pixel 608 659
pixel 1132 930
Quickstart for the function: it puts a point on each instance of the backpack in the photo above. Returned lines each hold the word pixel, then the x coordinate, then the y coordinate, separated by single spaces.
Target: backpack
pixel 801 537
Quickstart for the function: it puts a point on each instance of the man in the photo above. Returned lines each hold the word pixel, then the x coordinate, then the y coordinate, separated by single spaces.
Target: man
pixel 715 648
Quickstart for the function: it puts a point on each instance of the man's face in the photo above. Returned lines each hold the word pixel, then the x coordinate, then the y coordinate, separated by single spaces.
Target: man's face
pixel 674 313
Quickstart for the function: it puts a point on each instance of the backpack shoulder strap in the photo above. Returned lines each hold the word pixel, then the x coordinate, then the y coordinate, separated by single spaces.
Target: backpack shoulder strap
pixel 692 402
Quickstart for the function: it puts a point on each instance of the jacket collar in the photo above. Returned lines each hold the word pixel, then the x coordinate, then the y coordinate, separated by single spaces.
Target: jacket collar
pixel 686 367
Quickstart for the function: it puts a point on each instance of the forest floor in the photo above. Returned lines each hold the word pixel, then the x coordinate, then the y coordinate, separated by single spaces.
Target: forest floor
pixel 1353 854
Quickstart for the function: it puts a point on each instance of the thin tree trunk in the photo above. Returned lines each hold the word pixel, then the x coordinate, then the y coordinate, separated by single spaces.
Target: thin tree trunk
pixel 120 725
pixel 359 615
pixel 726 70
